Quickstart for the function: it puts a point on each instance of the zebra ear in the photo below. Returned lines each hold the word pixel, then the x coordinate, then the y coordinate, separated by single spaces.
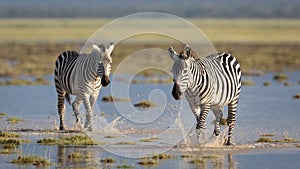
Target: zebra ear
pixel 110 48
pixel 187 51
pixel 172 53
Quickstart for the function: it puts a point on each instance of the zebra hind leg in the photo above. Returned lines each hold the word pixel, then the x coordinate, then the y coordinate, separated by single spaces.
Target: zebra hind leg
pixel 218 112
pixel 61 108
pixel 231 120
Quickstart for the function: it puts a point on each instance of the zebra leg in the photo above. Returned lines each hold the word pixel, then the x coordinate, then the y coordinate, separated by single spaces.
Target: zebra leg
pixel 61 107
pixel 76 107
pixel 218 112
pixel 94 97
pixel 231 120
pixel 88 109
pixel 201 123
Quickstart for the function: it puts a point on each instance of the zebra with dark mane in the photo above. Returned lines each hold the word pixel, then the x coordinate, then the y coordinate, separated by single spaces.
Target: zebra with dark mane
pixel 81 75
pixel 208 83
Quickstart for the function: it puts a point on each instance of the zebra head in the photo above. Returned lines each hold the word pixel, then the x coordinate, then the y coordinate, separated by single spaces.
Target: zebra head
pixel 105 62
pixel 181 71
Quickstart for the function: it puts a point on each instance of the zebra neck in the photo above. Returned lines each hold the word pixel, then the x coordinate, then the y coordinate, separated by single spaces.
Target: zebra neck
pixel 197 73
pixel 94 64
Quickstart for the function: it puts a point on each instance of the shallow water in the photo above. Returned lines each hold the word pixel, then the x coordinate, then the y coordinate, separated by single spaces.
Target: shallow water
pixel 262 110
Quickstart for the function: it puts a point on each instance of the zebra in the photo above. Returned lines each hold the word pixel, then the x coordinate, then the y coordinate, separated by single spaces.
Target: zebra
pixel 81 75
pixel 208 83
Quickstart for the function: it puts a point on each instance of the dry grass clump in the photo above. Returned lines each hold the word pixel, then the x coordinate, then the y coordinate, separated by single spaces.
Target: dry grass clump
pixel 77 155
pixel 110 98
pixel 197 161
pixel 264 140
pixel 145 104
pixel 297 96
pixel 107 160
pixel 186 156
pixel 2 114
pixel 125 143
pixel 248 83
pixel 280 77
pixel 162 156
pixel 267 135
pixel 13 120
pixel 148 162
pixel 125 166
pixel 33 160
pixel 151 139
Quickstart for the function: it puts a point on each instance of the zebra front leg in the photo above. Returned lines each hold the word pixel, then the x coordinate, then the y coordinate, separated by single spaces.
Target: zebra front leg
pixel 218 112
pixel 94 97
pixel 231 120
pixel 76 107
pixel 89 114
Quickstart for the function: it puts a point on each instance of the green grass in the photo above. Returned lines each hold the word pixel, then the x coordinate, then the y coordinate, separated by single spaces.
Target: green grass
pixel 126 143
pixel 14 120
pixel 72 140
pixel 151 139
pixel 21 82
pixel 31 46
pixel 2 114
pixel 210 157
pixel 218 30
pixel 197 161
pixel 33 160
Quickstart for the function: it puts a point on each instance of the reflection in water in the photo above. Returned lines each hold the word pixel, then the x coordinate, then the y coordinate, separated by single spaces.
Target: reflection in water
pixel 86 157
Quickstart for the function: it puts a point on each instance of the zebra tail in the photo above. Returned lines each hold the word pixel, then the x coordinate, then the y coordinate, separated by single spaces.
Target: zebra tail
pixel 68 98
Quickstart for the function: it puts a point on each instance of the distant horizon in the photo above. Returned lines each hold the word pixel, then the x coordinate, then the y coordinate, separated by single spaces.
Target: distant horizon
pixel 119 8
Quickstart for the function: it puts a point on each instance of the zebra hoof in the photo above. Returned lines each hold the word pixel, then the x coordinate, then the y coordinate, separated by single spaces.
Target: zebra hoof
pixel 229 143
pixel 61 128
pixel 217 132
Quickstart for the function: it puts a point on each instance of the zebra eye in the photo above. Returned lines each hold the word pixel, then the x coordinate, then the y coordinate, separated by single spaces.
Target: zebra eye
pixel 184 71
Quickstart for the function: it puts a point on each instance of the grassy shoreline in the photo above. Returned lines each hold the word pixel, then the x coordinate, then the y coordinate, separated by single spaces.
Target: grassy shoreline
pixel 31 46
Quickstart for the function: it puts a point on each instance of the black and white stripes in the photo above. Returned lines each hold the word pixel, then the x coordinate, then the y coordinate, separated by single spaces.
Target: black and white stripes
pixel 81 75
pixel 208 83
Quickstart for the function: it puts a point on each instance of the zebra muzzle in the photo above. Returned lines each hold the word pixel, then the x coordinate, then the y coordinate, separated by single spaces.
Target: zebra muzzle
pixel 105 80
pixel 176 93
